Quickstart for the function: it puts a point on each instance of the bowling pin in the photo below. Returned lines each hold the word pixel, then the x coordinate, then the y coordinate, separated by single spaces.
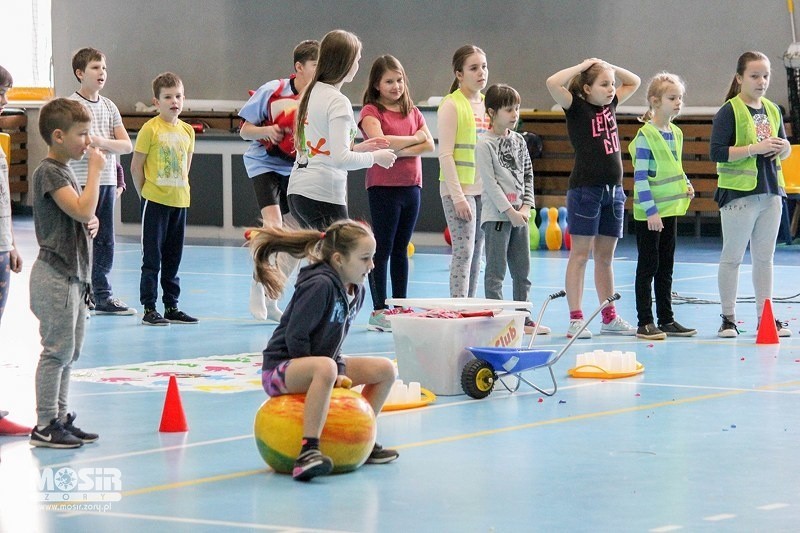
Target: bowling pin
pixel 553 232
pixel 533 231
pixel 543 215
pixel 562 223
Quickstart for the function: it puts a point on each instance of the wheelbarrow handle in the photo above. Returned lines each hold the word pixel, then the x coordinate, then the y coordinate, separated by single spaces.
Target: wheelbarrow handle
pixel 613 298
pixel 559 294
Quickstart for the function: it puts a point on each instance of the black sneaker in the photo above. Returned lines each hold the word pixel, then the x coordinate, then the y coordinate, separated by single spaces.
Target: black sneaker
pixel 113 306
pixel 650 332
pixel 54 436
pixel 78 432
pixel 673 329
pixel 311 463
pixel 176 316
pixel 783 329
pixel 153 318
pixel 381 455
pixel 728 329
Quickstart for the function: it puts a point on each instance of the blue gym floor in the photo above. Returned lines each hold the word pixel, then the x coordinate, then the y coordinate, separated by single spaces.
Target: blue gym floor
pixel 706 439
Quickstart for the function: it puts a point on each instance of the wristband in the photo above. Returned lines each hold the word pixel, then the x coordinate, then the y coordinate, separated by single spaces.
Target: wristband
pixel 748 150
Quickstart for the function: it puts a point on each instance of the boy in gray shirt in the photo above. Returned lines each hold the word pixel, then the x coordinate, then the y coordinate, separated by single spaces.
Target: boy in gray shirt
pixel 504 165
pixel 60 284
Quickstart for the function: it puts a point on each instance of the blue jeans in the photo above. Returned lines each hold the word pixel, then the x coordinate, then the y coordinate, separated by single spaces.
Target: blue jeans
pixel 596 210
pixel 5 277
pixel 103 245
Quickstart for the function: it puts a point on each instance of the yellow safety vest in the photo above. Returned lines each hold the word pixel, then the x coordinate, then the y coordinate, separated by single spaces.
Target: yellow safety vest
pixel 466 137
pixel 668 186
pixel 742 175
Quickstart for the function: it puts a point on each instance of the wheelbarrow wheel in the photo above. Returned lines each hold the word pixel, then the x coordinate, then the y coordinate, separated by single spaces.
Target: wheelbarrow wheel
pixel 477 379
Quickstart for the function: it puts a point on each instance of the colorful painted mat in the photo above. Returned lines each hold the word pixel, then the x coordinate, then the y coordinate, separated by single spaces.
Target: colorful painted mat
pixel 220 373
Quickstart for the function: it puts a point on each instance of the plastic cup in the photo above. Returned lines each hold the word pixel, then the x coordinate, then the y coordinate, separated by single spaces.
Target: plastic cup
pixel 414 392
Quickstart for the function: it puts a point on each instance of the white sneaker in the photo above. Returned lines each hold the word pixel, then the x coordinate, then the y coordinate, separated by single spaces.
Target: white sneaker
pixel 574 326
pixel 530 325
pixel 273 312
pixel 258 301
pixel 618 326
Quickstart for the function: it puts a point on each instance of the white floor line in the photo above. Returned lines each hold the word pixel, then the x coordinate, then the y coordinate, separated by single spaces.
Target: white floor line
pixel 772 506
pixel 719 517
pixel 199 521
pixel 147 452
pixel 664 529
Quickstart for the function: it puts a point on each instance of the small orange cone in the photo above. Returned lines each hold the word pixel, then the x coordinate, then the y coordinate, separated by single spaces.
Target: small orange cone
pixel 767 330
pixel 172 418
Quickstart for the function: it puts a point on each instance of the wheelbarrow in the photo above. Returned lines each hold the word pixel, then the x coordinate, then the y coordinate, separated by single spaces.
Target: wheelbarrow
pixel 494 363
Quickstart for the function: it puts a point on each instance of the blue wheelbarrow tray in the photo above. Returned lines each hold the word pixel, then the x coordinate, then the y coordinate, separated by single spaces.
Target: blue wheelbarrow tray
pixel 513 359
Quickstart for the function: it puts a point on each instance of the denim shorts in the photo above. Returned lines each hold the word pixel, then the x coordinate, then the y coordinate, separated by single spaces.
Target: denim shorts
pixel 596 210
pixel 274 381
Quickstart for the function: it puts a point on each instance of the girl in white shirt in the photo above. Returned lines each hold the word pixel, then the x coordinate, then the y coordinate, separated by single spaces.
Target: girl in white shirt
pixel 325 129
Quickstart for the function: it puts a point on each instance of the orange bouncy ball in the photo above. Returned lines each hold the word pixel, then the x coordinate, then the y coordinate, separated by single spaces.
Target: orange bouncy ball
pixel 347 438
pixel 447 238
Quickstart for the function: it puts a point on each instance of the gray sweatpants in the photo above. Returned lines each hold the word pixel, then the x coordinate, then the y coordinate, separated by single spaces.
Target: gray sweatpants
pixel 467 239
pixel 754 219
pixel 60 306
pixel 507 247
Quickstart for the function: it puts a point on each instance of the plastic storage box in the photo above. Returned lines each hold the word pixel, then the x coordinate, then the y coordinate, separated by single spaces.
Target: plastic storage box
pixel 433 351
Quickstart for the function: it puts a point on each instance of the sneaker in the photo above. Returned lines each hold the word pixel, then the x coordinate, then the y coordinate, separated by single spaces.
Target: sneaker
pixel 78 432
pixel 650 332
pixel 311 463
pixel 379 322
pixel 673 329
pixel 113 306
pixel 575 325
pixel 728 329
pixel 175 316
pixel 12 429
pixel 153 318
pixel 530 325
pixel 54 436
pixel 381 455
pixel 618 326
pixel 258 301
pixel 273 311
pixel 783 329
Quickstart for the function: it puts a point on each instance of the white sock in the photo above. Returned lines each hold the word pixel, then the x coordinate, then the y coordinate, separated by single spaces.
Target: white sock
pixel 258 301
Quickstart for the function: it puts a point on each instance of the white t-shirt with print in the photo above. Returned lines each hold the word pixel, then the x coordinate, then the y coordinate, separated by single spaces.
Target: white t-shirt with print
pixel 320 171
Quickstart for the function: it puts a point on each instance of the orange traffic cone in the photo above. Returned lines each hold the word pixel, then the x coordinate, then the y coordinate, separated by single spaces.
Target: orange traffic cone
pixel 172 418
pixel 767 330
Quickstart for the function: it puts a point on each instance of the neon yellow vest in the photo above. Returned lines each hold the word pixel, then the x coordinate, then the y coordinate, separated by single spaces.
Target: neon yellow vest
pixel 668 186
pixel 466 137
pixel 742 175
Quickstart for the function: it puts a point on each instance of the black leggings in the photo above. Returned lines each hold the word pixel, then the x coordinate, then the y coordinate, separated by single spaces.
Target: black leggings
pixel 655 264
pixel 313 214
pixel 394 214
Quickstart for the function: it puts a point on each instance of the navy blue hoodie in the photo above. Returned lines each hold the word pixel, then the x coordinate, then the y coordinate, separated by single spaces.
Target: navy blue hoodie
pixel 317 319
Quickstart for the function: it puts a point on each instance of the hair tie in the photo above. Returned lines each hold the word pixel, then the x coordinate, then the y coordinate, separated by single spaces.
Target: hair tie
pixel 321 235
